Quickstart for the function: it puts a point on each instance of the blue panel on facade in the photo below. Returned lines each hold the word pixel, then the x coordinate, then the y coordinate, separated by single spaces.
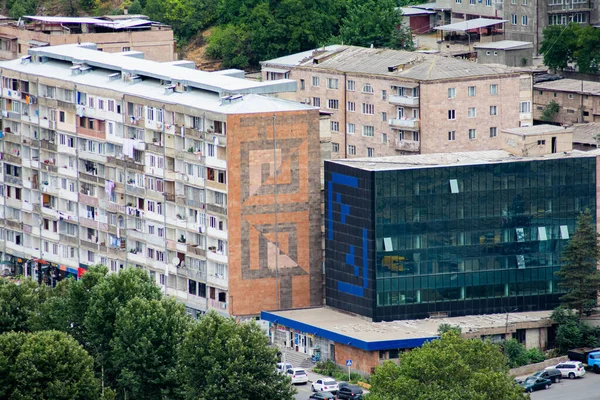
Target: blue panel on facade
pixel 345 180
pixel 350 256
pixel 351 289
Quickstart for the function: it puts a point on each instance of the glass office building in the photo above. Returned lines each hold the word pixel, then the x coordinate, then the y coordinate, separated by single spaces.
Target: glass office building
pixel 451 234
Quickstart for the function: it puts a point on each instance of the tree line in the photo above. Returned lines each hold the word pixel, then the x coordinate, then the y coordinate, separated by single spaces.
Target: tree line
pixel 571 44
pixel 115 336
pixel 245 32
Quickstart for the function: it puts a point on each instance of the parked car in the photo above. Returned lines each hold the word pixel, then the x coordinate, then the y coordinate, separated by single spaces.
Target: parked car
pixel 281 367
pixel 322 396
pixel 297 375
pixel 352 392
pixel 551 373
pixel 325 385
pixel 570 369
pixel 589 357
pixel 532 384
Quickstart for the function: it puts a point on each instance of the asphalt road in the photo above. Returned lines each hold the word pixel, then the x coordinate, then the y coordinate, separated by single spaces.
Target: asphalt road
pixel 303 392
pixel 586 388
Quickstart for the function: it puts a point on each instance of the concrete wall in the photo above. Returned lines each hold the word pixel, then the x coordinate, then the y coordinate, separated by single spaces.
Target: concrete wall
pixel 253 210
pixel 570 108
pixel 157 44
pixel 511 58
pixel 531 368
pixel 435 105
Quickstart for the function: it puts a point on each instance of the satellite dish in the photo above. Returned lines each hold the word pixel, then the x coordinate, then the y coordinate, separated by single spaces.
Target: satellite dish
pixel 175 261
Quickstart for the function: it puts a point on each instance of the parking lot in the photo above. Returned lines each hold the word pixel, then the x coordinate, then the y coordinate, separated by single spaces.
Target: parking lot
pixel 586 388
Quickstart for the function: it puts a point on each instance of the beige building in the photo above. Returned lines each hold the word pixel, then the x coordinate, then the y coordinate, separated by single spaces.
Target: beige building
pixel 390 102
pixel 194 176
pixel 537 140
pixel 579 101
pixel 112 34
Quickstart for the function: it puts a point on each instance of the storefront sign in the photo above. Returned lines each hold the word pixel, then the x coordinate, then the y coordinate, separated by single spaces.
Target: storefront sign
pixel 281 328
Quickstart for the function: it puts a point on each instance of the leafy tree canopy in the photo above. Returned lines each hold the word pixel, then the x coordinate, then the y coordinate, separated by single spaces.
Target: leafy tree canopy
pixel 222 359
pixel 450 368
pixel 579 274
pixel 45 365
pixel 18 303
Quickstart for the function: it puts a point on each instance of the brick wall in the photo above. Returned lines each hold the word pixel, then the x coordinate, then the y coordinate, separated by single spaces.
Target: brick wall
pixel 254 284
pixel 361 360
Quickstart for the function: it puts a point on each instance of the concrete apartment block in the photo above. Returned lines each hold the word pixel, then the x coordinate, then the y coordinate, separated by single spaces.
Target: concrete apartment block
pixel 578 100
pixel 169 169
pixel 112 34
pixel 389 102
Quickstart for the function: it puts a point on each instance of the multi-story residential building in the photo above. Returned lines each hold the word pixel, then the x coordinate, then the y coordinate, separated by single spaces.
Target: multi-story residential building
pixel 578 100
pixel 525 19
pixel 112 34
pixel 388 102
pixel 194 176
pixel 421 240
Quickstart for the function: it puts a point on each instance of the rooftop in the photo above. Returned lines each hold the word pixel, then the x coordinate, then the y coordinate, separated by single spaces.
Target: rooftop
pixel 208 97
pixel 408 11
pixel 222 84
pixel 451 159
pixel 367 335
pixel 475 23
pixel 537 130
pixel 586 133
pixel 397 63
pixel 570 85
pixel 505 45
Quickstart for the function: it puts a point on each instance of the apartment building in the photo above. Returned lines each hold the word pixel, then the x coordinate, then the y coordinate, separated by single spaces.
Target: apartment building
pixel 526 19
pixel 194 176
pixel 578 100
pixel 112 34
pixel 388 102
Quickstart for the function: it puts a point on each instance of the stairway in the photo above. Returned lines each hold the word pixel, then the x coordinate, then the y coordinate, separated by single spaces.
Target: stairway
pixel 298 360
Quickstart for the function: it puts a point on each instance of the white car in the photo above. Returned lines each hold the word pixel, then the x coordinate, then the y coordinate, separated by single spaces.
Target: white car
pixel 570 369
pixel 297 375
pixel 281 367
pixel 325 385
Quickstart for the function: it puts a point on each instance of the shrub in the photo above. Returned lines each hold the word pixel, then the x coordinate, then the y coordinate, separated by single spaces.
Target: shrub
pixel 535 356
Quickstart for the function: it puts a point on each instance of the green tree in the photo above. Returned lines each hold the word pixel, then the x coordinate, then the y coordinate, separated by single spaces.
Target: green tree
pixel 229 43
pixel 550 111
pixel 144 347
pixel 449 368
pixel 225 360
pixel 45 365
pixel 571 332
pixel 18 303
pixel 370 22
pixel 587 55
pixel 579 274
pixel 559 45
pixel 135 7
pixel 516 353
pixel 106 299
pixel 402 38
pixel 443 328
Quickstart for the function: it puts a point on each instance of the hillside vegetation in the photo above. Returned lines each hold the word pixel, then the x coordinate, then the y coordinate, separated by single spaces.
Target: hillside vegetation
pixel 245 32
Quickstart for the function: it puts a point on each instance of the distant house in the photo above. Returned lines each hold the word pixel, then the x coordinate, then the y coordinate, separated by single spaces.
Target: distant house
pixel 112 34
pixel 512 53
pixel 419 20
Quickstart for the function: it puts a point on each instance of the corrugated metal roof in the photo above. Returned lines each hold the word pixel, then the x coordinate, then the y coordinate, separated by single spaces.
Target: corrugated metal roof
pixel 470 24
pixel 400 63
pixel 505 45
pixel 570 85
pixel 408 11
pixel 297 58
pixel 65 20
pixel 586 133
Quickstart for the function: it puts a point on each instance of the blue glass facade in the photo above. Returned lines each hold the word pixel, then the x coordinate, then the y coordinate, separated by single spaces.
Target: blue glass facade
pixel 458 239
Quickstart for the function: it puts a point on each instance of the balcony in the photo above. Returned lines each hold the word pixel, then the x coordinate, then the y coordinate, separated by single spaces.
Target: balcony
pixel 217 139
pixel 216 209
pixel 88 200
pixel 70 172
pixel 217 280
pixel 12 137
pixel 48 166
pixel 216 233
pixel 130 188
pixel 138 258
pixel 404 101
pixel 408 145
pixel 194 203
pixel 50 212
pixel 194 133
pixel 48 145
pixel 219 306
pixel 13 180
pixel 11 158
pixel 66 239
pixel 50 189
pixel 219 257
pixel 216 185
pixel 91 178
pixel 404 123
pixel 193 249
